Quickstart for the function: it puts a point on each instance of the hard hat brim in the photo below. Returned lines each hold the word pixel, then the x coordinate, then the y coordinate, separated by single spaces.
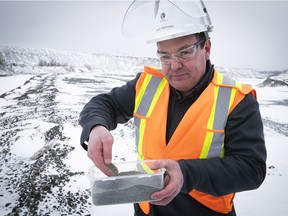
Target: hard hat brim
pixel 170 36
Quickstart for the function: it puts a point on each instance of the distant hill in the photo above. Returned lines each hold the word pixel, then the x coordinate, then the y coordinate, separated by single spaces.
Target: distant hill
pixel 277 82
pixel 11 58
pixel 23 60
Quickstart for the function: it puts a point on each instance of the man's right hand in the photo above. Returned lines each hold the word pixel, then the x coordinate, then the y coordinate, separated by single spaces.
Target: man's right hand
pixel 100 148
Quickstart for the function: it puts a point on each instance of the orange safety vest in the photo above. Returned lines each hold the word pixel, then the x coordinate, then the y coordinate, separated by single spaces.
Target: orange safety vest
pixel 200 132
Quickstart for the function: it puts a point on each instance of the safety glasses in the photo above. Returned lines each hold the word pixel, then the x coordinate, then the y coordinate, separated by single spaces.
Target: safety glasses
pixel 181 56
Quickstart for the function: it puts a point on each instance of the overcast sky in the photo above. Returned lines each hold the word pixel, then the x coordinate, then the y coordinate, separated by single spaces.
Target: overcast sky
pixel 249 34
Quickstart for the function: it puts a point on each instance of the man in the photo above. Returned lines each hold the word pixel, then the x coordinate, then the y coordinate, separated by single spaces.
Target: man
pixel 202 127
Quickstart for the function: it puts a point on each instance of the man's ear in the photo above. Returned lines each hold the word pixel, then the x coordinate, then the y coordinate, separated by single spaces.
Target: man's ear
pixel 207 47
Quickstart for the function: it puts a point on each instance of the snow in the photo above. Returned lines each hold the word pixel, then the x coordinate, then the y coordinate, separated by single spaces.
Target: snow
pixel 8 83
pixel 270 199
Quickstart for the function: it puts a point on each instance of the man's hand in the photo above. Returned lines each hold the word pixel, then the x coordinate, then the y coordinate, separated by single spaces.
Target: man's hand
pixel 100 148
pixel 173 181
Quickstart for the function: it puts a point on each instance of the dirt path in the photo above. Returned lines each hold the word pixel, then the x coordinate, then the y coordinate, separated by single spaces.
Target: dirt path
pixel 29 185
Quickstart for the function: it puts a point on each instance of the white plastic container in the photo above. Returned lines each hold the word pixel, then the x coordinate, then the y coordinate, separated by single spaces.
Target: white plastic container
pixel 135 182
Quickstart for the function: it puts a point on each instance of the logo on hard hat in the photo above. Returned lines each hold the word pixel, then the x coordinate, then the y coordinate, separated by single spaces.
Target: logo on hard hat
pixel 163 17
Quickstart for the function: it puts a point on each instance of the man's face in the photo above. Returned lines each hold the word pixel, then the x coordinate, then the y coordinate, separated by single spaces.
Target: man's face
pixel 185 75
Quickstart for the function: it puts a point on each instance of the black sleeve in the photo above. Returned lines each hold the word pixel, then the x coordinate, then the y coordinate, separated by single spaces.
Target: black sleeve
pixel 244 164
pixel 108 109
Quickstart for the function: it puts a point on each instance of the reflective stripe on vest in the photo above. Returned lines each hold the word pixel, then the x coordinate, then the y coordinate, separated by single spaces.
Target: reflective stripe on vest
pixel 150 91
pixel 223 99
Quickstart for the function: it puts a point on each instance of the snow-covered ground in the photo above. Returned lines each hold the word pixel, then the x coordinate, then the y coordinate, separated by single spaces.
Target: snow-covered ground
pixel 43 167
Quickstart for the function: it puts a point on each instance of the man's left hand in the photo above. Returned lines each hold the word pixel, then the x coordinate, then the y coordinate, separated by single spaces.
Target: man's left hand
pixel 173 181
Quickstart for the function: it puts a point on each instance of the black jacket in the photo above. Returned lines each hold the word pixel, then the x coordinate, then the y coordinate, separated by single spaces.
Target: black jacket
pixel 242 168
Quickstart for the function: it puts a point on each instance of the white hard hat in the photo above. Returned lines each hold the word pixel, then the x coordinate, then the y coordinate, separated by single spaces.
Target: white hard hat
pixel 179 18
pixel 171 19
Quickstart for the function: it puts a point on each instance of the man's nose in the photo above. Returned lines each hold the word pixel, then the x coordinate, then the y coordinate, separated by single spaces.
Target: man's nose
pixel 175 64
